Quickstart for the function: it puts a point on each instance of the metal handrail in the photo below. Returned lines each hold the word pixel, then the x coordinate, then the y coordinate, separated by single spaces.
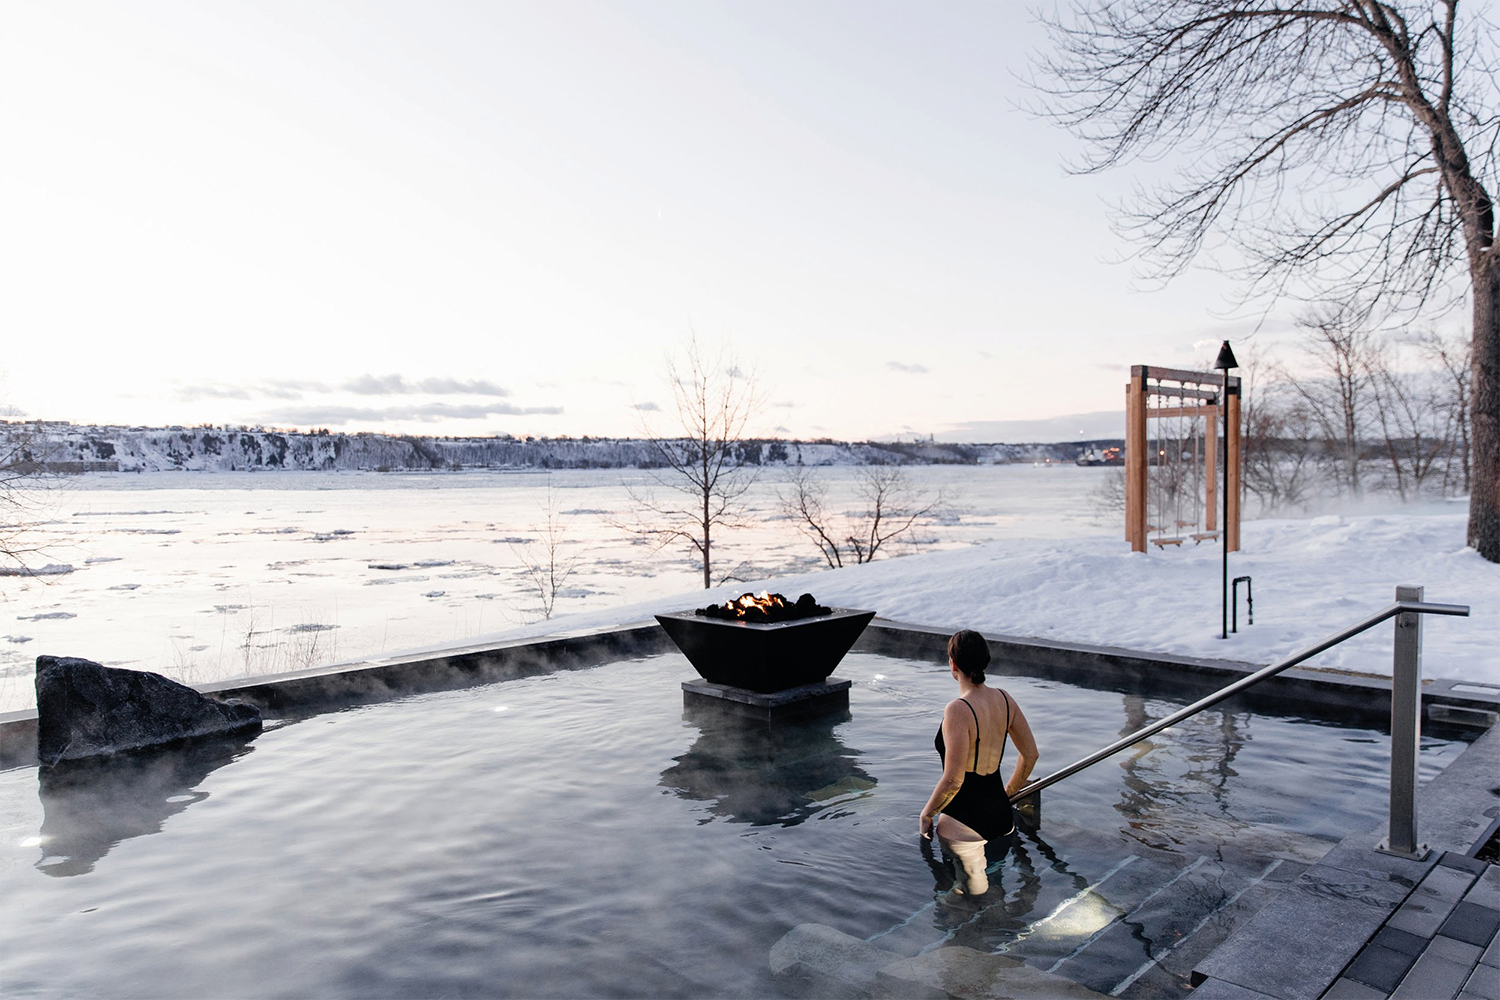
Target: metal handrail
pixel 1250 680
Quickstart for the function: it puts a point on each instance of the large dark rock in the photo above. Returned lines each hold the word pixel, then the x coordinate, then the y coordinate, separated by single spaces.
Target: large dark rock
pixel 85 710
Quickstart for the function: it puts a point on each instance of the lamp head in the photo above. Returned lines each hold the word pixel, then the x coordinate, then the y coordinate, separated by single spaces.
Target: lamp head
pixel 1226 359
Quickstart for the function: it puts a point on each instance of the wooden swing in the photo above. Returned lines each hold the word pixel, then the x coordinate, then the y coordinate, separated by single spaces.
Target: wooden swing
pixel 1193 395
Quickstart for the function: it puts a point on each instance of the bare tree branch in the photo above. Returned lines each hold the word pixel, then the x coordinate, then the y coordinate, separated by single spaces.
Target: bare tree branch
pixel 701 472
pixel 893 509
pixel 1325 149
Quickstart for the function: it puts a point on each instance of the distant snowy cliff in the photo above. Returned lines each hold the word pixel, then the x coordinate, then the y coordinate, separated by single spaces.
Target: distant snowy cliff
pixel 65 447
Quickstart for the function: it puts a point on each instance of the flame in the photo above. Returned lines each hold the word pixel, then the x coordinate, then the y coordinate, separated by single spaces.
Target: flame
pixel 764 601
pixel 765 608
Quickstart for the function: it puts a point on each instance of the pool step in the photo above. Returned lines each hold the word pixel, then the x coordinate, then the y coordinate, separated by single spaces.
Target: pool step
pixel 814 960
pixel 1179 922
pixel 1133 924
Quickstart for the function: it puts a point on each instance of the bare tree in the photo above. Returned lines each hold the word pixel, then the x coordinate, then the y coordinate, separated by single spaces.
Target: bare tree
pixel 892 508
pixel 547 567
pixel 23 456
pixel 1347 145
pixel 1337 389
pixel 1451 358
pixel 1279 444
pixel 701 480
pixel 1107 498
pixel 1411 428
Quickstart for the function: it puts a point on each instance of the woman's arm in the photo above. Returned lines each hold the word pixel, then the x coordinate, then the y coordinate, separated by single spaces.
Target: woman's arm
pixel 956 742
pixel 1025 743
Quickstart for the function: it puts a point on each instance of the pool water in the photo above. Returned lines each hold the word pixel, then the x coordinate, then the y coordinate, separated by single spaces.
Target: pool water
pixel 581 834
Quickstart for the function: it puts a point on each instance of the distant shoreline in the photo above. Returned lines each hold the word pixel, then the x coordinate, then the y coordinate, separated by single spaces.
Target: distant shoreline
pixel 66 448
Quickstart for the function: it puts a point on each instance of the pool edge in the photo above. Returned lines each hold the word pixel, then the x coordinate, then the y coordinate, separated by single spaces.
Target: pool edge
pixel 467 664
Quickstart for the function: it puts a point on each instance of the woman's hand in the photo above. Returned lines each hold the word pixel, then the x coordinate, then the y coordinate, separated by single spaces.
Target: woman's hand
pixel 924 827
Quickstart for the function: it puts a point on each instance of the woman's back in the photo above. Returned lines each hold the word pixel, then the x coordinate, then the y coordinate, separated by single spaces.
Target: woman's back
pixel 985 712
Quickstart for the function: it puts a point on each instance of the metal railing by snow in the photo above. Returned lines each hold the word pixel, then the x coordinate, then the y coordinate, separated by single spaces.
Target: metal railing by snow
pixel 1406 715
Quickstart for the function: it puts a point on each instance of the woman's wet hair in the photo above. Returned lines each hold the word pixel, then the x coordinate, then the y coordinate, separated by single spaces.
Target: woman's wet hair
pixel 970 653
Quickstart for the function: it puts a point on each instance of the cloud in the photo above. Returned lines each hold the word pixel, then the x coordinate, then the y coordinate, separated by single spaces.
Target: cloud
pixel 647 407
pixel 399 385
pixel 278 388
pixel 901 366
pixel 321 416
pixel 1101 424
pixel 211 390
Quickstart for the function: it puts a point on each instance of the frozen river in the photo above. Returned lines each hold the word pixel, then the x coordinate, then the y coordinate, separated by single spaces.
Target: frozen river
pixel 202 576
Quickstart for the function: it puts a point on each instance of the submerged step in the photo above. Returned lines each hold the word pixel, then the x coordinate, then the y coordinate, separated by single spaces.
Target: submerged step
pixel 813 960
pixel 1167 919
pixel 1121 922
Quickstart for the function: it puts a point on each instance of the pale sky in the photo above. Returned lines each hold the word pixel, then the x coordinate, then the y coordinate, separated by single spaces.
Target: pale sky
pixel 477 218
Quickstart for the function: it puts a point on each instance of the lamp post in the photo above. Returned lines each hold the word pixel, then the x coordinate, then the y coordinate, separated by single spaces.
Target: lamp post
pixel 1223 363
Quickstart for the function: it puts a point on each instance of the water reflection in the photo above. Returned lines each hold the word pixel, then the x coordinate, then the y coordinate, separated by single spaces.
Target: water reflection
pixel 767 774
pixel 90 806
pixel 1158 793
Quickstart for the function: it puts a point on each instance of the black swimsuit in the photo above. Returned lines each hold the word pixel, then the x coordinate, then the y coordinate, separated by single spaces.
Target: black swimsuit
pixel 981 803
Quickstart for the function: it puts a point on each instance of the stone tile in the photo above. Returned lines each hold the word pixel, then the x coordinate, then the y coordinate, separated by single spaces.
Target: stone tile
pixel 1454 950
pixel 1484 982
pixel 1274 952
pixel 1449 883
pixel 1491 956
pixel 1380 968
pixel 1486 891
pixel 1432 901
pixel 1452 805
pixel 1432 978
pixel 956 971
pixel 1348 989
pixel 814 960
pixel 1358 856
pixel 1399 940
pixel 1475 924
pixel 1462 862
pixel 1218 989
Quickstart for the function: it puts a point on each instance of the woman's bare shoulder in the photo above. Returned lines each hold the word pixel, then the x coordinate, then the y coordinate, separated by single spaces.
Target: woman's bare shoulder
pixel 957 709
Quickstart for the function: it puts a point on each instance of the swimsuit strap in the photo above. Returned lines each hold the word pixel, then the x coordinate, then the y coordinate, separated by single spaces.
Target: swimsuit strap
pixel 1006 733
pixel 976 734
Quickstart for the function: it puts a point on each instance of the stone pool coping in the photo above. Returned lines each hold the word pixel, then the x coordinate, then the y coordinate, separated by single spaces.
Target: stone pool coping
pixel 304 692
pixel 1314 937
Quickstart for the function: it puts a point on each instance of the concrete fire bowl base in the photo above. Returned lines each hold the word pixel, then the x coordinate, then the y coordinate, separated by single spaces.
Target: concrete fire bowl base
pixel 765 658
pixel 822 698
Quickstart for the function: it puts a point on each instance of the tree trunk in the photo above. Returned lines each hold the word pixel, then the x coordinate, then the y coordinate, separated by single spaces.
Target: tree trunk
pixel 707 540
pixel 1484 494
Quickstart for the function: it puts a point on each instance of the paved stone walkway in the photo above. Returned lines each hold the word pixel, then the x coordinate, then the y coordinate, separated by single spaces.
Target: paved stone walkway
pixel 1440 944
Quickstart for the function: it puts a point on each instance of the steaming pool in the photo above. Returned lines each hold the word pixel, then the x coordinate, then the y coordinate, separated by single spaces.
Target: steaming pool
pixel 580 834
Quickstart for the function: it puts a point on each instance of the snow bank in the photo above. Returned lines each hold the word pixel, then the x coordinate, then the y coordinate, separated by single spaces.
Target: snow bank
pixel 1311 578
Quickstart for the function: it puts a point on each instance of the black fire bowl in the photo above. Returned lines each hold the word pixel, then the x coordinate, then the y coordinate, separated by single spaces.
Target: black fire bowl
pixel 766 658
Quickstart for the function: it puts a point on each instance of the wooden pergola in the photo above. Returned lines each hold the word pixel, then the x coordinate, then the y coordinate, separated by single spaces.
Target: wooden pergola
pixel 1155 392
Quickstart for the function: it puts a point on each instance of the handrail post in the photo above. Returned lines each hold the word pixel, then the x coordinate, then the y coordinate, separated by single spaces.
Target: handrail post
pixel 1406 730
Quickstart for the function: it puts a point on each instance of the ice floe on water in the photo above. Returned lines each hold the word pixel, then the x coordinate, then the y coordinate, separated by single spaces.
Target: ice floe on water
pixel 50 569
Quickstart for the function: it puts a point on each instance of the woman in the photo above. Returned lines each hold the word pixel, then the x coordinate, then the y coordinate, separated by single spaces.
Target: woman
pixel 971 804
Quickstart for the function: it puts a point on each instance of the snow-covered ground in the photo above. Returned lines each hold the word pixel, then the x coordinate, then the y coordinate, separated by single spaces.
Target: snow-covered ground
pixel 1312 577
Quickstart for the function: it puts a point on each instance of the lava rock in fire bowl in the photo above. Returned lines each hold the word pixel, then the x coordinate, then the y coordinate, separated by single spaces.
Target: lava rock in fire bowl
pixel 765 643
pixel 85 709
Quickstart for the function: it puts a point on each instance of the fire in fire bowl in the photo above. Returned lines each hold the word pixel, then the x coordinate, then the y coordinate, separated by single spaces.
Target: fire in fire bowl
pixel 765 657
